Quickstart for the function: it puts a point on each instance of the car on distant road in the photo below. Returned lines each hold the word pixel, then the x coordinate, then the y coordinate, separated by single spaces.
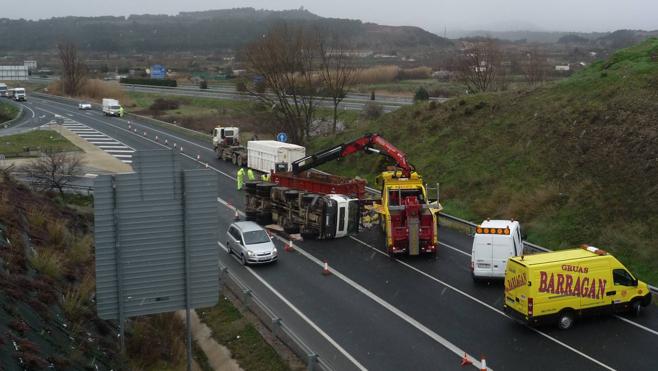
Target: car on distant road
pixel 84 106
pixel 250 243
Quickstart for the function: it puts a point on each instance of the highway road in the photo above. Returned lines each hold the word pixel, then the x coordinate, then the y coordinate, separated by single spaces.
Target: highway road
pixel 403 314
pixel 351 102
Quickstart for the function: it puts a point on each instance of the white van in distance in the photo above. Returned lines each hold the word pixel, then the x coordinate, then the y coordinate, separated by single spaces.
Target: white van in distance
pixel 494 242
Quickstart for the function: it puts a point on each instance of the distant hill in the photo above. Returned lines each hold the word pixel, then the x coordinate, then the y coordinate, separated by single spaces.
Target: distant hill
pixel 196 31
pixel 574 161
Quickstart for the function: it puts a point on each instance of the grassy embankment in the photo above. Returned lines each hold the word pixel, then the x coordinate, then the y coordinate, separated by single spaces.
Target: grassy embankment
pixel 574 161
pixel 30 143
pixel 7 112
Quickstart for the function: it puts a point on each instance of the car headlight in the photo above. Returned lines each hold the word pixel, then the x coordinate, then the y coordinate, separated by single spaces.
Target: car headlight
pixel 250 253
pixel 274 251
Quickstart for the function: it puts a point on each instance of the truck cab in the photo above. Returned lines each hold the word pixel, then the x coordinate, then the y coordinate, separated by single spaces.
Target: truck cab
pixel 3 90
pixel 494 242
pixel 19 94
pixel 225 136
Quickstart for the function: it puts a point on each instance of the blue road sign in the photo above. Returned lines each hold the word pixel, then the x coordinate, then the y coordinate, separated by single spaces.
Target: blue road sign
pixel 158 71
pixel 282 137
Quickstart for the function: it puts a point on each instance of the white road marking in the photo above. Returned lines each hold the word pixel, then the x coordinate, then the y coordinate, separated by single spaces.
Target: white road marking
pixel 455 289
pixel 303 316
pixel 391 308
pixel 119 151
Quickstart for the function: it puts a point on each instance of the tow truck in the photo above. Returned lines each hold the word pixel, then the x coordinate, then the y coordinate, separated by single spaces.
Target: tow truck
pixel 323 206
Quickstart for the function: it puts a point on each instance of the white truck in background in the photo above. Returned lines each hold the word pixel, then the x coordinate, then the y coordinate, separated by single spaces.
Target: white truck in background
pixel 111 107
pixel 19 95
pixel 263 155
pixel 3 90
pixel 494 242
pixel 260 155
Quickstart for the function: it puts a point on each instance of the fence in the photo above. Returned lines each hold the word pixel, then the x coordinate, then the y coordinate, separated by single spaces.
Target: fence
pixel 273 322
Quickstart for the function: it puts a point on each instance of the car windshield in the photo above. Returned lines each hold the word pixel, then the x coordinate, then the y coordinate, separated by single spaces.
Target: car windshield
pixel 254 237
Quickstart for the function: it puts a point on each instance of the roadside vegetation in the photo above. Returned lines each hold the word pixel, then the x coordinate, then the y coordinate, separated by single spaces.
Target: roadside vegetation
pixel 7 112
pixel 231 329
pixel 574 160
pixel 32 143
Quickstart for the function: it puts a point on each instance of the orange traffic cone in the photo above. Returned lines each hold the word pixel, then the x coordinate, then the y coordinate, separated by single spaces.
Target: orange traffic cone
pixel 466 361
pixel 288 247
pixel 325 270
pixel 483 364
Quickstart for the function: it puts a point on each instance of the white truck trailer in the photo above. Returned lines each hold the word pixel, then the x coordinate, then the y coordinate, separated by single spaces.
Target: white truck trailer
pixel 19 95
pixel 111 107
pixel 263 155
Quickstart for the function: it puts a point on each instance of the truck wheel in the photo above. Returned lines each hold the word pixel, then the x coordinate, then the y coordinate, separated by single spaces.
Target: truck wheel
pixel 309 235
pixel 291 228
pixel 635 308
pixel 291 195
pixel 250 186
pixel 565 320
pixel 265 218
pixel 263 189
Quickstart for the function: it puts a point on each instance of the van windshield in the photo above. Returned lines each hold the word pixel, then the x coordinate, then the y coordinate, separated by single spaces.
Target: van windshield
pixel 255 237
pixel 115 107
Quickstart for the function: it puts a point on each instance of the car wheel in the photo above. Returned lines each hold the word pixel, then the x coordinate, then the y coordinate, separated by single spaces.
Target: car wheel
pixel 228 248
pixel 565 320
pixel 636 308
pixel 243 260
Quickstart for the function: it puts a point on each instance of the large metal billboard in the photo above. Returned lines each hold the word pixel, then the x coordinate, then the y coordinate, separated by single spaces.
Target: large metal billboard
pixel 156 238
pixel 13 73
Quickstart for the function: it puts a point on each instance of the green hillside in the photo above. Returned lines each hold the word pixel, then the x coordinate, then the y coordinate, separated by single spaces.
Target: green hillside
pixel 575 161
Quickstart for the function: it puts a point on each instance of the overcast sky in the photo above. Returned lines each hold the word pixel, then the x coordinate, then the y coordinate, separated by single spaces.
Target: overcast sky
pixel 434 15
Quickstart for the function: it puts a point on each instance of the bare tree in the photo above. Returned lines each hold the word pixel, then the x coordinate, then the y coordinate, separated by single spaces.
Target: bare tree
pixel 286 61
pixel 54 170
pixel 535 67
pixel 337 72
pixel 74 71
pixel 480 66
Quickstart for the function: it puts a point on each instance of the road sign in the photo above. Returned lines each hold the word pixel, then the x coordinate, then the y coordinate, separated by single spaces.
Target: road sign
pixel 158 71
pixel 156 238
pixel 282 137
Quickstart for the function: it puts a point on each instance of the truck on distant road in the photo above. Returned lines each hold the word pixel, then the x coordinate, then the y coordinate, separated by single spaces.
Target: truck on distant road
pixel 3 90
pixel 111 107
pixel 19 94
pixel 260 155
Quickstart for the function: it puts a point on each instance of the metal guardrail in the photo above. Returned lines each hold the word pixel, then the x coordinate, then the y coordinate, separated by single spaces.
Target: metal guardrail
pixel 528 245
pixel 273 322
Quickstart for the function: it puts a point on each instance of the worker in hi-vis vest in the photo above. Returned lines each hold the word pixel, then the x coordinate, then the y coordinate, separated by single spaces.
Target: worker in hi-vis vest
pixel 240 178
pixel 265 177
pixel 250 174
pixel 120 111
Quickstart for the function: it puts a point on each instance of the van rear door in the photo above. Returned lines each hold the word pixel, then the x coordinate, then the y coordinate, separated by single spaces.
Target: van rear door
pixel 503 249
pixel 482 254
pixel 516 287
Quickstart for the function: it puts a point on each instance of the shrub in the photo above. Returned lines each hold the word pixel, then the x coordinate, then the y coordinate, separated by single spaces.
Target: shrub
pixel 163 104
pixel 259 87
pixel 47 262
pixel 19 326
pixel 80 252
pixel 58 234
pixel 157 338
pixel 415 73
pixel 379 74
pixel 433 105
pixel 73 304
pixel 203 84
pixel 154 82
pixel 241 86
pixel 373 110
pixel 421 95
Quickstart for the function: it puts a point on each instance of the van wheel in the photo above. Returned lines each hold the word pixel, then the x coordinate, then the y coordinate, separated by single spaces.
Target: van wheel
pixel 636 308
pixel 565 320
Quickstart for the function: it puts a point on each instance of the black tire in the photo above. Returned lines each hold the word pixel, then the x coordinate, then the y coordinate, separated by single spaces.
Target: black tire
pixel 566 319
pixel 263 189
pixel 243 260
pixel 291 195
pixel 250 186
pixel 636 308
pixel 264 218
pixel 309 235
pixel 251 215
pixel 228 248
pixel 291 228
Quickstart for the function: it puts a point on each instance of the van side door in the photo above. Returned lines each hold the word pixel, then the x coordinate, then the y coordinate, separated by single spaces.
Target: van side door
pixel 503 249
pixel 593 286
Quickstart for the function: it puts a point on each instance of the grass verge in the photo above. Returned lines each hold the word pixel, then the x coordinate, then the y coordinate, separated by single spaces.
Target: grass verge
pixel 7 112
pixel 20 145
pixel 234 331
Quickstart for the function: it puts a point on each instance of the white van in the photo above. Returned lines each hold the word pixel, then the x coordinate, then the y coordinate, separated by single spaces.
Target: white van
pixel 494 242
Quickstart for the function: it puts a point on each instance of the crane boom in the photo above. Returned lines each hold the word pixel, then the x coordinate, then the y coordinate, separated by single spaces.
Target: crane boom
pixel 366 143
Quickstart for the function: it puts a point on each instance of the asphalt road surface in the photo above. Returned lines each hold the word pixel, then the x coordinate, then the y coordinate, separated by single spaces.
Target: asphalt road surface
pixel 404 314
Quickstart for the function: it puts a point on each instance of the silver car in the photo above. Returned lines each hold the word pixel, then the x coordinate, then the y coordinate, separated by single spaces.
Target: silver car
pixel 84 106
pixel 250 243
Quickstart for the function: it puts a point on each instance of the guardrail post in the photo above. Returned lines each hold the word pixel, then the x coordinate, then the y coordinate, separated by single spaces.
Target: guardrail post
pixel 246 294
pixel 311 360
